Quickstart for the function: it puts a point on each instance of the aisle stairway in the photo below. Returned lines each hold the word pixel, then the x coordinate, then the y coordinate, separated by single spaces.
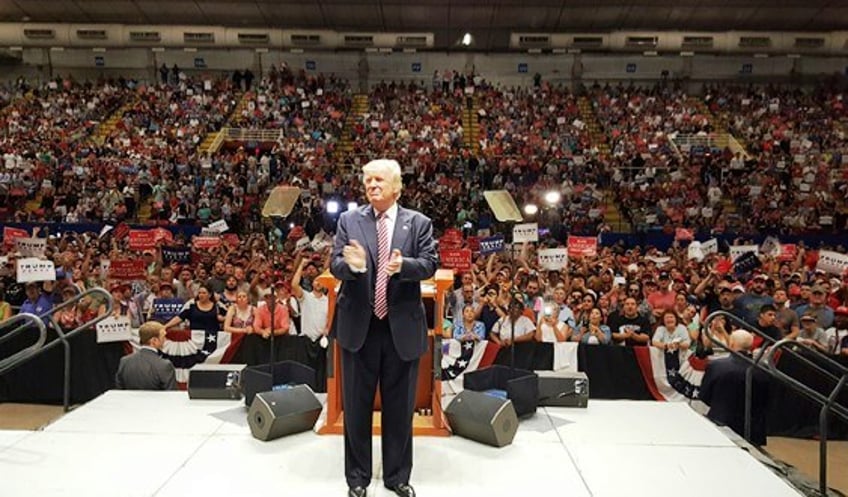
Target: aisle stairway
pixel 470 125
pixel 106 128
pixel 358 108
pixel 212 142
pixel 719 126
pixel 613 217
pixel 587 115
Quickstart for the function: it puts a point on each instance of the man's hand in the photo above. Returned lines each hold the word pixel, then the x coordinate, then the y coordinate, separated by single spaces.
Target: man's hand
pixel 354 255
pixel 395 262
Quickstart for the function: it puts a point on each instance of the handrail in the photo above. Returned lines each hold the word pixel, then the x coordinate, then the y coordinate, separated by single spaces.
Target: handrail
pixel 8 363
pixel 253 134
pixel 769 352
pixel 40 347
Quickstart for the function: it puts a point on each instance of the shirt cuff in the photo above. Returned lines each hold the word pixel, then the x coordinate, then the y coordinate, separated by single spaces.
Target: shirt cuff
pixel 357 269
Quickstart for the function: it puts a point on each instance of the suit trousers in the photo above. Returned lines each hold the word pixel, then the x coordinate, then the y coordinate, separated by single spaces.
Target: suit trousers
pixel 378 362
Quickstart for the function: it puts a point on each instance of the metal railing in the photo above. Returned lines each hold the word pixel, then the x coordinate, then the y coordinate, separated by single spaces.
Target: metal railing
pixel 24 322
pixel 765 359
pixel 252 135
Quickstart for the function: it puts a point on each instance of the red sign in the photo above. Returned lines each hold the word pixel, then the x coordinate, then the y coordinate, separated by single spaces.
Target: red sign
pixel 788 252
pixel 161 234
pixel 231 239
pixel 127 269
pixel 451 239
pixel 473 243
pixel 121 231
pixel 11 234
pixel 582 246
pixel 142 239
pixel 456 259
pixel 206 242
pixel 811 259
pixel 683 234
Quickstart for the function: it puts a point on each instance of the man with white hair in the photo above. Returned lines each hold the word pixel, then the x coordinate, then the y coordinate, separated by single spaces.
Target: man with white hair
pixel 381 253
pixel 723 389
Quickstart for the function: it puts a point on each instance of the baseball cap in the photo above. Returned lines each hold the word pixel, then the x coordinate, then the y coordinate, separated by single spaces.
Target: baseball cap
pixel 794 291
pixel 761 276
pixel 663 275
pixel 818 289
pixel 738 288
pixel 841 311
pixel 808 316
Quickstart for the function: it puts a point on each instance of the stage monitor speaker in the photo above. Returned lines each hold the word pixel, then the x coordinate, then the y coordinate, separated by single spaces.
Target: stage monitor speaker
pixel 282 412
pixel 483 418
pixel 257 379
pixel 215 381
pixel 563 389
pixel 521 386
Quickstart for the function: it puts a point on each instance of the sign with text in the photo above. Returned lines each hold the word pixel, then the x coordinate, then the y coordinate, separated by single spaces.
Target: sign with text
pixel 11 234
pixel 127 269
pixel 832 262
pixel 230 240
pixel 165 309
pixel 176 255
pixel 32 269
pixel 161 234
pixel 788 252
pixel 737 250
pixel 219 226
pixel 205 242
pixel 451 239
pixel 114 329
pixel 456 259
pixel 491 245
pixel 709 247
pixel 528 232
pixel 771 246
pixel 553 259
pixel 142 240
pixel 473 243
pixel 31 247
pixel 582 246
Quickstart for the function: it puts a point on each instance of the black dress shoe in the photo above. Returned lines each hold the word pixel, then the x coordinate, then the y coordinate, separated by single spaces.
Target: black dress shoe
pixel 403 490
pixel 356 492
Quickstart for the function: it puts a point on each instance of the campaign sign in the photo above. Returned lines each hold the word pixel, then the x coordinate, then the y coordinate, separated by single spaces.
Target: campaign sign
pixel 491 245
pixel 582 246
pixel 114 329
pixel 528 232
pixel 127 269
pixel 33 269
pixel 553 259
pixel 142 240
pixel 178 255
pixel 165 309
pixel 456 259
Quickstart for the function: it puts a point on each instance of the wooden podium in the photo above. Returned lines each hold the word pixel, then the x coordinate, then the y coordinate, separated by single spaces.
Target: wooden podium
pixel 429 390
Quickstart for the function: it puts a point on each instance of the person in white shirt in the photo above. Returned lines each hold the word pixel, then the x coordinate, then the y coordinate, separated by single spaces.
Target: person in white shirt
pixel 515 327
pixel 314 306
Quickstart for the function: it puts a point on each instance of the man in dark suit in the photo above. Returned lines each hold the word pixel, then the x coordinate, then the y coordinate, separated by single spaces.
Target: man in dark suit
pixel 144 369
pixel 381 253
pixel 723 389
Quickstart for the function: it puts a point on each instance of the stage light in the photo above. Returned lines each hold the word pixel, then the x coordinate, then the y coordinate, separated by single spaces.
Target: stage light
pixel 291 226
pixel 531 209
pixel 553 197
pixel 332 207
pixel 351 206
pixel 467 39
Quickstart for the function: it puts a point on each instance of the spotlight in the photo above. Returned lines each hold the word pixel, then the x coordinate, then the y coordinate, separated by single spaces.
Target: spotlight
pixel 531 209
pixel 553 197
pixel 351 206
pixel 467 39
pixel 291 226
pixel 332 207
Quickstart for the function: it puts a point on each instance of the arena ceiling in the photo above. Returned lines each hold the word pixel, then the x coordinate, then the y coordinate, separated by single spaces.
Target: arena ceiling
pixel 489 21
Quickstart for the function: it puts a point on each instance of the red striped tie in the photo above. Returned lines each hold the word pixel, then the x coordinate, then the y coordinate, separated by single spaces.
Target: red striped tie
pixel 381 303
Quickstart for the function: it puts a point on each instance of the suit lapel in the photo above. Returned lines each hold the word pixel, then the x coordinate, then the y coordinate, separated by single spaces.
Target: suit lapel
pixel 368 225
pixel 402 228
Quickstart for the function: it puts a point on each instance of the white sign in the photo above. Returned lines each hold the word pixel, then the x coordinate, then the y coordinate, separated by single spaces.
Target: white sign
pixel 105 229
pixel 528 232
pixel 832 262
pixel 302 243
pixel 31 247
pixel 709 247
pixel 694 251
pixel 33 269
pixel 219 226
pixel 771 246
pixel 659 261
pixel 114 329
pixel 737 250
pixel 553 259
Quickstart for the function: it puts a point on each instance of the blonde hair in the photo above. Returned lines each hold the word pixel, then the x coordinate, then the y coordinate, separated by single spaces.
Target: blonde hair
pixel 148 331
pixel 389 166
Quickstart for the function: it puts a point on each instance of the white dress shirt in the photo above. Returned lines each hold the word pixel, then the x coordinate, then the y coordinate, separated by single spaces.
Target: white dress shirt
pixel 391 218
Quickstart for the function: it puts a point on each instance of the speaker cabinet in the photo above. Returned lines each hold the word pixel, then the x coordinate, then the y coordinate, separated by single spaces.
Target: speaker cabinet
pixel 482 418
pixel 521 386
pixel 563 389
pixel 215 381
pixel 282 412
pixel 256 379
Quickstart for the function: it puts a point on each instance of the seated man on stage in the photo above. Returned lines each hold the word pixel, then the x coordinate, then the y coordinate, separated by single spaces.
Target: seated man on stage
pixel 145 370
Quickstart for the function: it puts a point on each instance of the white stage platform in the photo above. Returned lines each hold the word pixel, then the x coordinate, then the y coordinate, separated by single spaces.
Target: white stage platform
pixel 144 444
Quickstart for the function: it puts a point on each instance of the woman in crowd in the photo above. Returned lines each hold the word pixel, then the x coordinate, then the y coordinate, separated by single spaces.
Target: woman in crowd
pixel 594 331
pixel 514 327
pixel 239 319
pixel 671 335
pixel 469 329
pixel 550 328
pixel 202 314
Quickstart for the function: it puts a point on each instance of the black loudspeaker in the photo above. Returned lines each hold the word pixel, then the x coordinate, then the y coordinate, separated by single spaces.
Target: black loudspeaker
pixel 521 386
pixel 563 389
pixel 283 412
pixel 215 381
pixel 483 418
pixel 257 379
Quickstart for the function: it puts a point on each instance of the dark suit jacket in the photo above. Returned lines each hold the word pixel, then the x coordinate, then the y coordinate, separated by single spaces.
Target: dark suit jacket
pixel 145 370
pixel 723 389
pixel 413 236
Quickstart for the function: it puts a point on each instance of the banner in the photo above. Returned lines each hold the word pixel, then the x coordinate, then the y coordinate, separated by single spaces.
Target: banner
pixel 31 247
pixel 553 259
pixel 114 329
pixel 33 269
pixel 832 262
pixel 528 232
pixel 738 250
pixel 746 262
pixel 165 309
pixel 302 243
pixel 176 255
pixel 452 239
pixel 219 226
pixel 142 240
pixel 11 234
pixel 456 259
pixel 709 247
pixel 582 246
pixel 205 242
pixel 491 245
pixel 127 269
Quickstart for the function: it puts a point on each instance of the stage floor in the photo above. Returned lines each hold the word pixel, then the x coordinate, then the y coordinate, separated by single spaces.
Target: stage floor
pixel 163 444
